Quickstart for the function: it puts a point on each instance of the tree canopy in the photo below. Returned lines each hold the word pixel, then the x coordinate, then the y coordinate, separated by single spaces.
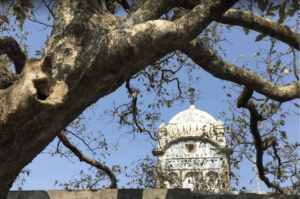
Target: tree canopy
pixel 91 52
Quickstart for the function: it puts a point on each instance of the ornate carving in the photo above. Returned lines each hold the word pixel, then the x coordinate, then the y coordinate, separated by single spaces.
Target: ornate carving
pixel 196 161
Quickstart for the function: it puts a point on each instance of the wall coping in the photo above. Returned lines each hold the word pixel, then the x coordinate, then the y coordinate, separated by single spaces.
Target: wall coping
pixel 144 194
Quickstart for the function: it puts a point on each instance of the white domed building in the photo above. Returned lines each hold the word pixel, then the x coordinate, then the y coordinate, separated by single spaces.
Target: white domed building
pixel 193 145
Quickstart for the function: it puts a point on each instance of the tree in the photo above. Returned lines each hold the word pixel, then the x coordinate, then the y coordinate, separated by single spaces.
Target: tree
pixel 91 52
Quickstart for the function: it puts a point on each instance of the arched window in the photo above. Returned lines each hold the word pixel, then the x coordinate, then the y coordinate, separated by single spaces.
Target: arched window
pixel 211 180
pixel 173 180
pixel 192 180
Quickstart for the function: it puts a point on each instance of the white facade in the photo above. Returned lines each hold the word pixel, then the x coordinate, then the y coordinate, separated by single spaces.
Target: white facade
pixel 193 144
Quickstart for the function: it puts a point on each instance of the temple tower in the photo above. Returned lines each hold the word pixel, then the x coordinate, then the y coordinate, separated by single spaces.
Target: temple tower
pixel 193 146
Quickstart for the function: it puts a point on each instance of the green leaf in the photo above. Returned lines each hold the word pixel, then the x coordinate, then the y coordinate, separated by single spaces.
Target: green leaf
pixel 262 5
pixel 206 39
pixel 271 14
pixel 295 5
pixel 179 15
pixel 281 15
pixel 275 8
pixel 214 33
pixel 215 26
pixel 207 30
pixel 283 134
pixel 260 37
pixel 5 19
pixel 270 6
pixel 229 26
pixel 246 30
pixel 291 12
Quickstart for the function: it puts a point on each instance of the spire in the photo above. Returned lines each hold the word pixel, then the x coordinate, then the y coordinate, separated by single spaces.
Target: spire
pixel 162 126
pixel 191 89
pixel 219 122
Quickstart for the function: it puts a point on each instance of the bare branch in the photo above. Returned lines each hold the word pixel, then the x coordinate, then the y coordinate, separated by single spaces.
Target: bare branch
pixel 88 160
pixel 134 110
pixel 50 10
pixel 178 84
pixel 65 130
pixel 40 22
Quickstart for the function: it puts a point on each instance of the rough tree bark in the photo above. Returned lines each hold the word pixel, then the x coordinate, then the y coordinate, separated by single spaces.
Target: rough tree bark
pixel 88 56
pixel 91 53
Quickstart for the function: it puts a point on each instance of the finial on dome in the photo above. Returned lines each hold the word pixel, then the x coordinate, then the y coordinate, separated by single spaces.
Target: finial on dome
pixel 162 127
pixel 191 89
pixel 219 122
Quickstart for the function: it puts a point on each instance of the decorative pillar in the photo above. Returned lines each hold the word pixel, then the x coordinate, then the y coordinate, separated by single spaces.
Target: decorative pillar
pixel 180 178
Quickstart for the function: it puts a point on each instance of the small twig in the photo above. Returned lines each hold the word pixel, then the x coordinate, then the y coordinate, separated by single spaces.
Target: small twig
pixel 134 109
pixel 65 130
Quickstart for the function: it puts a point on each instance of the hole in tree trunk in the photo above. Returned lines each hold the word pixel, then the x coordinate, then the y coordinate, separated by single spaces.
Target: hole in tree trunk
pixel 42 88
pixel 41 96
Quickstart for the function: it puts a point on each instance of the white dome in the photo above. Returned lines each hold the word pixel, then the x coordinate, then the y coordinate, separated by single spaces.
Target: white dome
pixel 190 119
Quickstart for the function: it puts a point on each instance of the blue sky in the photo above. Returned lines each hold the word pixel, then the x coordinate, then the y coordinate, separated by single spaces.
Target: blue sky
pixel 46 169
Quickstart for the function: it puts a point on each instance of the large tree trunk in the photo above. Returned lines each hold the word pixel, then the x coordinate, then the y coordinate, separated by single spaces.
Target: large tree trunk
pixel 90 54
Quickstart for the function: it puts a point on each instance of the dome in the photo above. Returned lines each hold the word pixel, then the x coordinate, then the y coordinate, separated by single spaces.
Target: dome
pixel 219 122
pixel 190 119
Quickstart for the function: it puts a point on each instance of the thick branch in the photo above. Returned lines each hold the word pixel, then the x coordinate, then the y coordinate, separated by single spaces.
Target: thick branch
pixel 9 46
pixel 63 138
pixel 142 11
pixel 215 65
pixel 259 144
pixel 7 77
pixel 196 19
pixel 260 24
pixel 93 60
pixel 244 97
pixel 36 91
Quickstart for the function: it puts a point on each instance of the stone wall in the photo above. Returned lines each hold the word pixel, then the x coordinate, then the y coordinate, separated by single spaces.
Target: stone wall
pixel 143 194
